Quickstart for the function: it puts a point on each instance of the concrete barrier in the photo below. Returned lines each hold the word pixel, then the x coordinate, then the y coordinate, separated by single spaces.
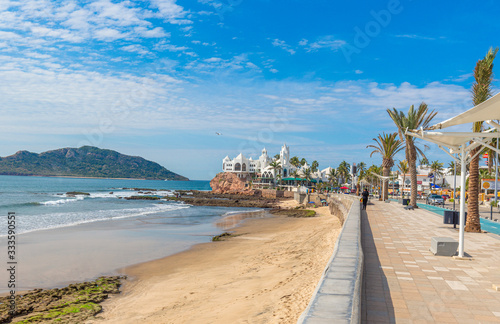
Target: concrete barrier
pixel 337 298
pixel 271 193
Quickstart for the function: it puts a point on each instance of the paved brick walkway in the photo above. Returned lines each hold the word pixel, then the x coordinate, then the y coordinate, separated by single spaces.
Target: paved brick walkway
pixel 406 283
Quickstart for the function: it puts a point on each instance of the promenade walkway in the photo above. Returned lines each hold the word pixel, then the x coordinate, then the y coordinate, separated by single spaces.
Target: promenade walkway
pixel 406 283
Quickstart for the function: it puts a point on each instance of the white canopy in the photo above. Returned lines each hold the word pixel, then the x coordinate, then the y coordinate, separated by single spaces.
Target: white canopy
pixel 488 110
pixel 451 140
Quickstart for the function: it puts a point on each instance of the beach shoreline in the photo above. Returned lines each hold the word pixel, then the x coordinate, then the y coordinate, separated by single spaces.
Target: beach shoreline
pixel 266 272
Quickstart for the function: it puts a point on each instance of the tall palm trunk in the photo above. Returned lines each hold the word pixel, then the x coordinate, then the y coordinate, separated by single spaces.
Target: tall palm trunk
pixel 404 184
pixel 385 183
pixel 473 222
pixel 412 164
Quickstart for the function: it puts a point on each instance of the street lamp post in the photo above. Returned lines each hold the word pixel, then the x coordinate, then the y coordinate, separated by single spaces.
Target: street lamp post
pixel 454 183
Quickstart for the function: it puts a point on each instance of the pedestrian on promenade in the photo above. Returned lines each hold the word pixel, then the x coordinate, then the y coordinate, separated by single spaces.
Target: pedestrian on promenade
pixel 365 198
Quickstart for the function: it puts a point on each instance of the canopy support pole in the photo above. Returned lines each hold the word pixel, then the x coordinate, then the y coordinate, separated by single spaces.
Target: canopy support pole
pixel 445 151
pixel 462 204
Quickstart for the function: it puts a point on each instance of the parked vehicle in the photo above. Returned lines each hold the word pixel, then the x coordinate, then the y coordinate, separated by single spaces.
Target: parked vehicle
pixel 434 199
pixel 445 197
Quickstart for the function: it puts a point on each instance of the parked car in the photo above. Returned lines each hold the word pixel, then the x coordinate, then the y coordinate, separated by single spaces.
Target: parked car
pixel 445 197
pixel 434 199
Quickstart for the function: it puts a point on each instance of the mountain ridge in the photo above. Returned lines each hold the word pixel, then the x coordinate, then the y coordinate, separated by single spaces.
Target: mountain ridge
pixel 85 161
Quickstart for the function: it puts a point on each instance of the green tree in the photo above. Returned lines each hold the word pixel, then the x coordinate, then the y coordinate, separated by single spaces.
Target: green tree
pixel 361 169
pixel 295 161
pixel 481 91
pixel 437 170
pixel 332 177
pixel 303 162
pixel 295 175
pixel 370 174
pixel 424 161
pixel 387 146
pixel 307 175
pixel 403 167
pixel 314 166
pixel 276 166
pixel 451 168
pixel 414 119
pixel 344 170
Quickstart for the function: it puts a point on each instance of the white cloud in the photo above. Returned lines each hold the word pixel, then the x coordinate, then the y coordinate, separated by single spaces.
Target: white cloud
pixel 413 36
pixel 4 35
pixel 109 34
pixel 157 32
pixel 283 45
pixel 325 42
pixel 136 49
pixel 164 46
pixel 170 11
pixel 358 72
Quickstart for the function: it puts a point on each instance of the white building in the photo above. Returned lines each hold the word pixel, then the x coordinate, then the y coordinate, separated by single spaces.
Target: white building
pixel 246 167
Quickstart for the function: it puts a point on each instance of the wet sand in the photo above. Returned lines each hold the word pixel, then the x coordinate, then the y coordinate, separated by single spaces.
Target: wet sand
pixel 57 257
pixel 266 274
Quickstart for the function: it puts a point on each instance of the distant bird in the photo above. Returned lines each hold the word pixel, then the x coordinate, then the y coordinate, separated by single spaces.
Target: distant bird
pixel 218 133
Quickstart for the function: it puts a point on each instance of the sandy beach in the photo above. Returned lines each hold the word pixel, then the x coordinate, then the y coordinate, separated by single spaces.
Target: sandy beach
pixel 265 274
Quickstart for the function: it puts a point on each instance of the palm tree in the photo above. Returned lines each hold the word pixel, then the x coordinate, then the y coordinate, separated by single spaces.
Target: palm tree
pixel 332 176
pixel 303 162
pixel 437 170
pixel 295 161
pixel 403 167
pixel 481 91
pixel 314 166
pixel 277 157
pixel 414 119
pixel 361 167
pixel 371 170
pixel 307 174
pixel 387 146
pixel 276 166
pixel 423 161
pixel 343 170
pixel 361 175
pixel 295 175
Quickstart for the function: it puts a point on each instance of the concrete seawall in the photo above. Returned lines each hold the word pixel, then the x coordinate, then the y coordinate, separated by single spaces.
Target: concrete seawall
pixel 337 298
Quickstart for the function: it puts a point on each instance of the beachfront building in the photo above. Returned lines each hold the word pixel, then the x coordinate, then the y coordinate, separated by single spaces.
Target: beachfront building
pixel 244 166
pixel 265 175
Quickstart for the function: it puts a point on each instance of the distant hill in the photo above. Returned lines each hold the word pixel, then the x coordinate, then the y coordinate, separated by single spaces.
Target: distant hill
pixel 86 161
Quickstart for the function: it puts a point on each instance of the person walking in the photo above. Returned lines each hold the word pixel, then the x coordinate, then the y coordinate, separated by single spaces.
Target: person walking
pixel 365 198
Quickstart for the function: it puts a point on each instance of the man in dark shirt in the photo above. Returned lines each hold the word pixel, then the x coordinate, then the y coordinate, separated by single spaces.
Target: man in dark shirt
pixel 365 197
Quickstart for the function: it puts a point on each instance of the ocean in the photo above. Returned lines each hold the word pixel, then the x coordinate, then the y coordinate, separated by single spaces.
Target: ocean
pixel 62 239
pixel 41 202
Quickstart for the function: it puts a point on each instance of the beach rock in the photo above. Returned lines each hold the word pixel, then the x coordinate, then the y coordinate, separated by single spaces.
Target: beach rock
pixel 227 182
pixel 72 304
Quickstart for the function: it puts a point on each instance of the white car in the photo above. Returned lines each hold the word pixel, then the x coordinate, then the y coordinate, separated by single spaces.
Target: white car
pixel 434 199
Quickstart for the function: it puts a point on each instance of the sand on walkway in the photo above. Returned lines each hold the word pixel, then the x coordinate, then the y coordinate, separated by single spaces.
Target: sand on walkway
pixel 266 274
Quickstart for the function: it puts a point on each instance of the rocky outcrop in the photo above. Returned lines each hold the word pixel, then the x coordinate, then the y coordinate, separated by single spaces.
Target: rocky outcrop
pixel 226 182
pixel 73 304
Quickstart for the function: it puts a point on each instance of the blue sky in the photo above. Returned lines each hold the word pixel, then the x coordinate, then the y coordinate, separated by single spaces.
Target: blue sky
pixel 159 78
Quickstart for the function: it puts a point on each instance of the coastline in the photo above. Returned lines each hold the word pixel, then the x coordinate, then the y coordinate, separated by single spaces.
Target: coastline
pixel 266 272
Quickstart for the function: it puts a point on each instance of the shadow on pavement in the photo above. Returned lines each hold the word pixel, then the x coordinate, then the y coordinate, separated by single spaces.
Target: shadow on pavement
pixel 376 301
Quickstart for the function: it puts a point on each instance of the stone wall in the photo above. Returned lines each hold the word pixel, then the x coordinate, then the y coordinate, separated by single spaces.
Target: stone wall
pixel 288 194
pixel 271 193
pixel 337 298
